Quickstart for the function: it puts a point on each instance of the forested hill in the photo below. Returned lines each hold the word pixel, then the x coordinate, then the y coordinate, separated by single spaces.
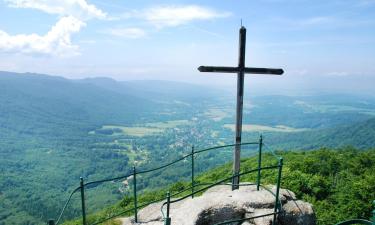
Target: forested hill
pixel 159 90
pixel 359 134
pixel 28 101
pixel 35 104
pixel 340 183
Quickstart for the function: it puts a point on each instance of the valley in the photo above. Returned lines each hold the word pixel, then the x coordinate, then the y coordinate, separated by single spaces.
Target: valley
pixel 54 130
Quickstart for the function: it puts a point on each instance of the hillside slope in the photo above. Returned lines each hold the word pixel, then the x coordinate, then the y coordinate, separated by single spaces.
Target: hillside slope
pixel 359 134
pixel 45 140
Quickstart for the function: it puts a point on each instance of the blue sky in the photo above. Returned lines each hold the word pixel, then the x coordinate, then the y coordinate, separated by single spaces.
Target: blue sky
pixel 320 44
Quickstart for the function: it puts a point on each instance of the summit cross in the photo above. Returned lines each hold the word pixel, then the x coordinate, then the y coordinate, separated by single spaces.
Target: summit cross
pixel 240 70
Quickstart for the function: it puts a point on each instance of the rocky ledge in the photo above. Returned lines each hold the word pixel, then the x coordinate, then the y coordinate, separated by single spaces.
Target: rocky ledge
pixel 220 203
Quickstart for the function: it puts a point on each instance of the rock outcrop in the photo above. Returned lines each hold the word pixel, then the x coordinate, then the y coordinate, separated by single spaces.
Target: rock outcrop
pixel 220 203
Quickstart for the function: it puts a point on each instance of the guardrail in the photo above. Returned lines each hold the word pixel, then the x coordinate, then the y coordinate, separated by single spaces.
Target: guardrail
pixel 192 188
pixel 355 221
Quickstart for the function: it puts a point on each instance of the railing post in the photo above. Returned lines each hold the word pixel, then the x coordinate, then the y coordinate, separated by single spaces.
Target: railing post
pixel 82 187
pixel 192 171
pixel 277 190
pixel 167 220
pixel 51 222
pixel 135 194
pixel 234 178
pixel 259 160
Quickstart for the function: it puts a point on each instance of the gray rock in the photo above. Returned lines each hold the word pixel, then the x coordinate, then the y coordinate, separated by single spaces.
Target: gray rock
pixel 220 203
pixel 217 214
pixel 297 212
pixel 267 220
pixel 247 223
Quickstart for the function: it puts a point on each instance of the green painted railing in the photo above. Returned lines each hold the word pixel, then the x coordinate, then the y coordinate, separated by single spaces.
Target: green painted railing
pixel 277 207
pixel 356 221
pixel 194 187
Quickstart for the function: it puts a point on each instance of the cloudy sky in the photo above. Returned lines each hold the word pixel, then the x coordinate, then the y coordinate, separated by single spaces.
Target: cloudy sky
pixel 321 44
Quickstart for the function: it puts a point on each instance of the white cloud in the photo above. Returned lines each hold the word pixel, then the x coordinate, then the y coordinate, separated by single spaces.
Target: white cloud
pixel 77 8
pixel 56 42
pixel 132 32
pixel 171 16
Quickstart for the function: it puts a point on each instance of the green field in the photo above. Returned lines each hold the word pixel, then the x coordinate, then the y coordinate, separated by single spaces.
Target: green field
pixel 262 128
pixel 167 124
pixel 216 114
pixel 142 130
pixel 134 131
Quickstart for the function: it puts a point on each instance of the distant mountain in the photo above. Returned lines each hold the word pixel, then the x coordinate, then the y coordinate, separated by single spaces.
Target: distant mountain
pixel 31 102
pixel 28 100
pixel 158 90
pixel 359 134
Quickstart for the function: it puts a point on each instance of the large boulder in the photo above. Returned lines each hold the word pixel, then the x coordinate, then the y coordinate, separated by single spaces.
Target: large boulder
pixel 220 203
pixel 219 213
pixel 297 212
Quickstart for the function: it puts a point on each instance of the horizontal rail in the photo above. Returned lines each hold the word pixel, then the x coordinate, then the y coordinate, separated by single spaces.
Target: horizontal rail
pixel 226 179
pixel 195 152
pixel 168 164
pixel 175 194
pixel 221 181
pixel 189 195
pixel 268 149
pixel 225 146
pixel 356 221
pixel 164 166
pixel 108 180
pixel 134 173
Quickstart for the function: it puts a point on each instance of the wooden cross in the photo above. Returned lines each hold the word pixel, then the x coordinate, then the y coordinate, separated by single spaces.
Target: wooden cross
pixel 240 70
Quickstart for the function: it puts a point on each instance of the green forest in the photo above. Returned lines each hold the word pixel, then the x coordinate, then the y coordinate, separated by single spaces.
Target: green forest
pixel 55 130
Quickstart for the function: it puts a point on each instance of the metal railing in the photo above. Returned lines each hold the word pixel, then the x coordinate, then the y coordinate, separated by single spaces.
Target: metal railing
pixel 192 187
pixel 355 221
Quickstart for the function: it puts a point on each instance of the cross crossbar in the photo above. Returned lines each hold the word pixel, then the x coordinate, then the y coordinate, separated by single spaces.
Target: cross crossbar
pixel 252 70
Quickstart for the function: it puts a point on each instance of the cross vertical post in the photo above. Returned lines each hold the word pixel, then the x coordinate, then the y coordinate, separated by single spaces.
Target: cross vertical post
pixel 240 70
pixel 239 108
